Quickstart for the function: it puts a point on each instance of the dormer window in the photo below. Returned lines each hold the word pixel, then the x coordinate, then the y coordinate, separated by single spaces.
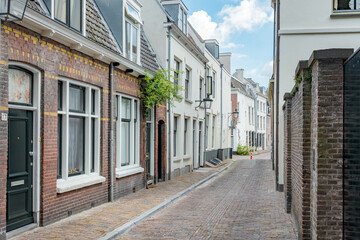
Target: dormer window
pixel 132 32
pixel 182 20
pixel 68 12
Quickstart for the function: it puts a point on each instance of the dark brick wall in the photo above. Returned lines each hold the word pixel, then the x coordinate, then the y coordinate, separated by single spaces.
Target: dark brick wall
pixel 287 152
pixel 315 158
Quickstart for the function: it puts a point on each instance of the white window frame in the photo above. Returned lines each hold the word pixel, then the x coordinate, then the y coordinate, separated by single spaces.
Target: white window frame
pixel 188 90
pixel 134 21
pixel 134 166
pixel 68 183
pixel 83 17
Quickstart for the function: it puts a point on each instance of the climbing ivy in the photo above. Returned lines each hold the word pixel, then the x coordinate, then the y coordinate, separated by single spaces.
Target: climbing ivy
pixel 307 77
pixel 158 90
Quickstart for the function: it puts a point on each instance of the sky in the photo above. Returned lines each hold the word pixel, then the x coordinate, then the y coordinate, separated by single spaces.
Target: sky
pixel 242 27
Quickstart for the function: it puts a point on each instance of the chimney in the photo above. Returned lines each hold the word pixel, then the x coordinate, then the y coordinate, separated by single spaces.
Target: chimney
pixel 225 59
pixel 239 74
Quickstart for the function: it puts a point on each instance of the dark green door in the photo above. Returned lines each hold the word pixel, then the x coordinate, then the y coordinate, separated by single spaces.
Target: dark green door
pixel 19 181
pixel 148 150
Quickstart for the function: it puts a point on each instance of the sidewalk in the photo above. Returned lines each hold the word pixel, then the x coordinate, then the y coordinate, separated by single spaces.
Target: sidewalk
pixel 99 221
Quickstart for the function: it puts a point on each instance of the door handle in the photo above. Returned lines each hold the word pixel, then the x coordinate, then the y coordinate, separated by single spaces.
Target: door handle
pixel 31 154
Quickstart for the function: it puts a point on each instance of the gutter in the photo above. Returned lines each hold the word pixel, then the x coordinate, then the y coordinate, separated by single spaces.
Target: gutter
pixel 277 93
pixel 221 105
pixel 111 80
pixel 168 25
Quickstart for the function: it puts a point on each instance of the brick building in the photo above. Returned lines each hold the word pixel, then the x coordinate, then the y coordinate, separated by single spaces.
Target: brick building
pixel 55 101
pixel 321 146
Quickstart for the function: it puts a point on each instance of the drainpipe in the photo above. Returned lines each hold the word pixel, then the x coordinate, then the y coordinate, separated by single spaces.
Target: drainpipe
pixel 205 122
pixel 277 93
pixel 111 100
pixel 169 106
pixel 221 106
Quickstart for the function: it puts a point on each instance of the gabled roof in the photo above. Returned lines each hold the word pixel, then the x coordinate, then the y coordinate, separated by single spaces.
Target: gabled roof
pixel 97 29
pixel 238 85
pixel 148 57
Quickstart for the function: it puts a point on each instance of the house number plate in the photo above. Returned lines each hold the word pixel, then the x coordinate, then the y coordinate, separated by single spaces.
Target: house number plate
pixel 4 117
pixel 17 183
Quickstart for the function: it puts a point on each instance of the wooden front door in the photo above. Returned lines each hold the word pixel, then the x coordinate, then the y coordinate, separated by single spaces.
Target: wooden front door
pixel 20 169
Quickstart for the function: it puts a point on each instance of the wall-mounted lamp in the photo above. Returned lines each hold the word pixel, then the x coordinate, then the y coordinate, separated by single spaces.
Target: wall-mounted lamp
pixel 12 10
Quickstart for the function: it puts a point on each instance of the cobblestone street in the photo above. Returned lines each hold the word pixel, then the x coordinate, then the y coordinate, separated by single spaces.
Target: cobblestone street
pixel 241 203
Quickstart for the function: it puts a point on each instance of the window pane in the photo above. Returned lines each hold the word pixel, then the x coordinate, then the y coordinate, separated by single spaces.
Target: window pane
pixel 76 98
pixel 126 108
pixel 76 145
pixel 59 145
pixel 176 72
pixel 60 95
pixel 125 143
pixel 181 15
pixel 135 110
pixel 92 167
pixel 134 43
pixel 93 101
pixel 75 14
pixel 128 39
pixel 344 5
pixel 20 86
pixel 60 10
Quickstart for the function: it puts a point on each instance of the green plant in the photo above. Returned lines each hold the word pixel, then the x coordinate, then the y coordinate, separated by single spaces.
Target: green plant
pixel 242 150
pixel 158 89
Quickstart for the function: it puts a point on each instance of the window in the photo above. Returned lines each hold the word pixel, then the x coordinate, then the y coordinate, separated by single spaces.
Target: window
pixel 176 71
pixel 182 21
pixel 127 132
pixel 78 129
pixel 207 132
pixel 213 84
pixel 213 132
pixel 185 135
pixel 175 135
pixel 20 86
pixel 201 88
pixel 249 115
pixel 187 83
pixel 68 12
pixel 131 40
pixel 347 5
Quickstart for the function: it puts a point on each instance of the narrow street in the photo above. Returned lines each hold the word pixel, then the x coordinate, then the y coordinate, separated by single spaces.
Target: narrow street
pixel 241 203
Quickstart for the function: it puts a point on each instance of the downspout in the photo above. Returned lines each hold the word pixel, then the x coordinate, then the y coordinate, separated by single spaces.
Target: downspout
pixel 272 96
pixel 277 92
pixel 205 122
pixel 169 106
pixel 111 79
pixel 221 106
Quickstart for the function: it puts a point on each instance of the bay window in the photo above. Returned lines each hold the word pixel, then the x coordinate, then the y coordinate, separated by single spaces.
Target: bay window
pixel 127 136
pixel 78 132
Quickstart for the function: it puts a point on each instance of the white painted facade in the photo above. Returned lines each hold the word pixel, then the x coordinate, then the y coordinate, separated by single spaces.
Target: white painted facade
pixel 306 26
pixel 186 126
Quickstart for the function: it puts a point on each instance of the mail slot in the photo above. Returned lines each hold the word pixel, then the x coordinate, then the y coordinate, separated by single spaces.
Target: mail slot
pixel 17 183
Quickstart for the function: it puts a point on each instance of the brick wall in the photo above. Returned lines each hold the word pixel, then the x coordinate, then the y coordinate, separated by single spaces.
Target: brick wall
pixel 55 60
pixel 316 145
pixel 3 135
pixel 287 152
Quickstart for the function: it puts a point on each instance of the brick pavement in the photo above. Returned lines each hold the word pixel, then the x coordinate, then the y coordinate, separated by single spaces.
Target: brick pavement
pixel 100 220
pixel 241 203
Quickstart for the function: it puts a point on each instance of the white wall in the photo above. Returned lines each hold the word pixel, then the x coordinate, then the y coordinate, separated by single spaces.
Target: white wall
pixel 306 26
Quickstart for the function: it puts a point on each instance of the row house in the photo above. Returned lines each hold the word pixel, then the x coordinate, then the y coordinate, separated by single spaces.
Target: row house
pixel 250 101
pixel 196 132
pixel 73 133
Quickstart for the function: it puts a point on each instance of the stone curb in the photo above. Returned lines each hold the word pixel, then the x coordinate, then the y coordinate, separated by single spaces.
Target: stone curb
pixel 123 229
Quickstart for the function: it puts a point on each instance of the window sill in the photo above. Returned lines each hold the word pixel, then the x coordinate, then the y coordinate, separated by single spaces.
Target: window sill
pixel 177 159
pixel 128 172
pixel 189 101
pixel 77 182
pixel 187 157
pixel 345 13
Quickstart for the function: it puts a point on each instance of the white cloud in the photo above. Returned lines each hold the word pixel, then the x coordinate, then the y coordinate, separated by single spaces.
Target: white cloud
pixel 245 16
pixel 267 70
